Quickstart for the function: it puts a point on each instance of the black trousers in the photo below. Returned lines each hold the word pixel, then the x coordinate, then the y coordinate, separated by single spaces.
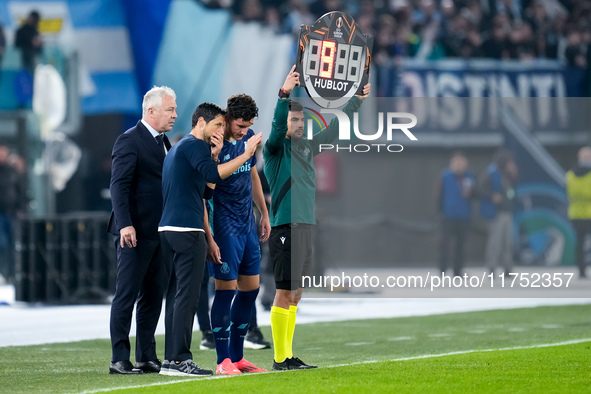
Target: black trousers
pixel 583 229
pixel 453 231
pixel 186 253
pixel 203 306
pixel 141 277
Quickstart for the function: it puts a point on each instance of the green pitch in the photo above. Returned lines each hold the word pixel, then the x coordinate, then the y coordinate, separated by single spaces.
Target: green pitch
pixel 444 353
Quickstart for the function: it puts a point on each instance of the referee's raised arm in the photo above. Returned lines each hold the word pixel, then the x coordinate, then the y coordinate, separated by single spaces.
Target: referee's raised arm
pixel 279 126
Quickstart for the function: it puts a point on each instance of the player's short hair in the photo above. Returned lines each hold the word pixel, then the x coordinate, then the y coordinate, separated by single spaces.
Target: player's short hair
pixel 242 106
pixel 294 106
pixel 207 111
pixel 153 97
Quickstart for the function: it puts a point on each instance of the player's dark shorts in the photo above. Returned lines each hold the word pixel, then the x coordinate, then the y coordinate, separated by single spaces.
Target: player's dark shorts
pixel 290 246
pixel 241 255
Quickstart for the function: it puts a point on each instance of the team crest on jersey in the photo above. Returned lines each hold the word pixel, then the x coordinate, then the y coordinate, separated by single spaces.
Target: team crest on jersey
pixel 227 157
pixel 306 152
pixel 225 268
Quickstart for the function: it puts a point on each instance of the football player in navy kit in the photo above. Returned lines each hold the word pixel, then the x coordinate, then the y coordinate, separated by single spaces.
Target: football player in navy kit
pixel 234 252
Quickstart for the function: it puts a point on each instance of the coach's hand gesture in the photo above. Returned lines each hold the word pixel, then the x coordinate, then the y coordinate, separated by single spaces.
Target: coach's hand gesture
pixel 252 143
pixel 217 141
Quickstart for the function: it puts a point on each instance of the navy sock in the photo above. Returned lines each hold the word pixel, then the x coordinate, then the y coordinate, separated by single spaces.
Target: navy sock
pixel 240 314
pixel 253 319
pixel 220 322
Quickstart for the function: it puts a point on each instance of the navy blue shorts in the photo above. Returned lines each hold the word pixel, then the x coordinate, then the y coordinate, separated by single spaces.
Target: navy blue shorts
pixel 241 255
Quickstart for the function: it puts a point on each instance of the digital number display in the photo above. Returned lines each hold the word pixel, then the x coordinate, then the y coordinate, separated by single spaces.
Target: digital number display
pixel 336 61
pixel 326 59
pixel 333 59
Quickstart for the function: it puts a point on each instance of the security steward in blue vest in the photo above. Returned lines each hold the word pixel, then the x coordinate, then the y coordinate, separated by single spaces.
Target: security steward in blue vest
pixel 455 191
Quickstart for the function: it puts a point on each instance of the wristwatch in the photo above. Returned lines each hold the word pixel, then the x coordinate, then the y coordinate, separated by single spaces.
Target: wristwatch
pixel 283 93
pixel 217 161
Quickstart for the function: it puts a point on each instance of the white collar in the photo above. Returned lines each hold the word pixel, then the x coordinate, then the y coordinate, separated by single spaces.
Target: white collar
pixel 150 129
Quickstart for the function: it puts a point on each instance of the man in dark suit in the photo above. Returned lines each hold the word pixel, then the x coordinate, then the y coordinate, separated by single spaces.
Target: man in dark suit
pixel 136 195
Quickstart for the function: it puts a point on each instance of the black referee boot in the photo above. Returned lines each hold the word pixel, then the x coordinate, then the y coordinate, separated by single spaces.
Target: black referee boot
pixel 291 364
pixel 303 365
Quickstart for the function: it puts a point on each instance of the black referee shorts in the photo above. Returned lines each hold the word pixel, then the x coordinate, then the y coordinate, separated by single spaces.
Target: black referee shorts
pixel 290 246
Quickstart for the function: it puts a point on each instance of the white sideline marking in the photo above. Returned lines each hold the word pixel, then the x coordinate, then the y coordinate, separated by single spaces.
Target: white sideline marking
pixel 358 343
pixel 400 339
pixel 516 329
pixel 571 342
pixel 440 335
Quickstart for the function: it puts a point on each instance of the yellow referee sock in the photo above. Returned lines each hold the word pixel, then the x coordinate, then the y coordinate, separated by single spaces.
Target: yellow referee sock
pixel 291 321
pixel 279 322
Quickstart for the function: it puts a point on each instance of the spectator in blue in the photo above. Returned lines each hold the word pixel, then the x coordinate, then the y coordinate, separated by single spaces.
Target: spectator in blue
pixel 12 203
pixel 497 191
pixel 455 191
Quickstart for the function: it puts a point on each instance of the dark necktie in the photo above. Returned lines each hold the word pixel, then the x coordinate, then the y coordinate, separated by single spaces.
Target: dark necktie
pixel 160 142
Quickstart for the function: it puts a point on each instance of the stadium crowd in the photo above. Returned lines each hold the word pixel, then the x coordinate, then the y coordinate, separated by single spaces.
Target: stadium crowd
pixel 434 29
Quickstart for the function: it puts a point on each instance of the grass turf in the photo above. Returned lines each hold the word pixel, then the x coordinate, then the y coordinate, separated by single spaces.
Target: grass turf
pixel 559 369
pixel 83 366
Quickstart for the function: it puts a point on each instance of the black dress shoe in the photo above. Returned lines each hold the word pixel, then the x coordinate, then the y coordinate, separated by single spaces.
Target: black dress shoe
pixel 124 367
pixel 152 366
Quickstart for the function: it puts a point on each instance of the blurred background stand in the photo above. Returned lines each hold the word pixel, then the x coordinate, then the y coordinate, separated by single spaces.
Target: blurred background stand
pixel 64 259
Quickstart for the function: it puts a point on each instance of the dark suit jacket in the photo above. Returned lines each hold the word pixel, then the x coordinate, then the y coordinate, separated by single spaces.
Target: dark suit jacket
pixel 136 182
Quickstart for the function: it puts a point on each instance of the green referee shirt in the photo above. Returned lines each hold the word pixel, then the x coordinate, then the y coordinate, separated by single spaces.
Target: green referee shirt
pixel 289 166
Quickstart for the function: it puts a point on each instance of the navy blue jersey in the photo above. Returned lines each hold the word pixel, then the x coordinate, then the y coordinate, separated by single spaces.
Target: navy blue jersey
pixel 188 166
pixel 232 198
